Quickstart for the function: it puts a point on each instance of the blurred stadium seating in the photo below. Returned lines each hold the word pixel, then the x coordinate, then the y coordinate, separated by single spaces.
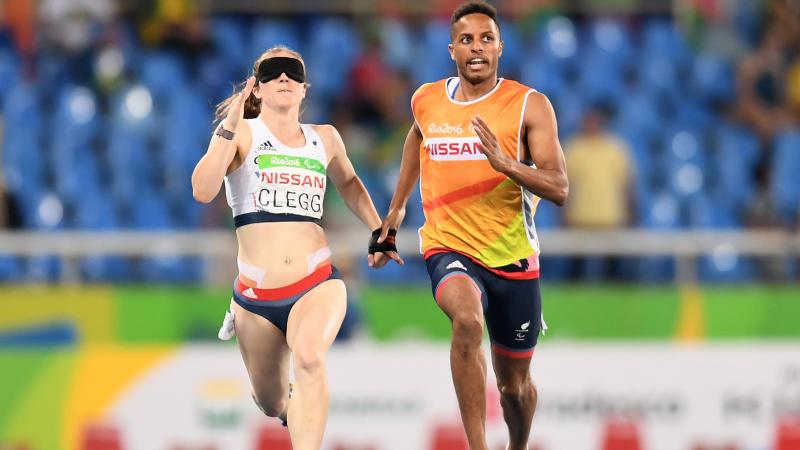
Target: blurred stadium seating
pixel 79 154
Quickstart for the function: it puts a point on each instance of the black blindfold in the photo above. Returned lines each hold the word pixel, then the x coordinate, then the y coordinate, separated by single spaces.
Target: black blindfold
pixel 272 68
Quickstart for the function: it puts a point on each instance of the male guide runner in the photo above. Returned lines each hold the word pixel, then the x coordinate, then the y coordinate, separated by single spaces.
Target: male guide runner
pixel 486 151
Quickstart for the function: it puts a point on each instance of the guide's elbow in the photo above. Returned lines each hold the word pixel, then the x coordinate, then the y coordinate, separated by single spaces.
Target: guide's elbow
pixel 561 194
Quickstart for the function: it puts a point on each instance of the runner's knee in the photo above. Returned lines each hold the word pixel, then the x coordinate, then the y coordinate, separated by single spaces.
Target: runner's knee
pixel 309 360
pixel 515 392
pixel 467 330
pixel 270 405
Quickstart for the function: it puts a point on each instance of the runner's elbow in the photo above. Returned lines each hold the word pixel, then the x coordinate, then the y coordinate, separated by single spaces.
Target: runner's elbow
pixel 561 194
pixel 201 194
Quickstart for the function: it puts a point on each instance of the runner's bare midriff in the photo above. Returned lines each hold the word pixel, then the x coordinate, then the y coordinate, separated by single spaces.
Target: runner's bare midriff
pixel 280 249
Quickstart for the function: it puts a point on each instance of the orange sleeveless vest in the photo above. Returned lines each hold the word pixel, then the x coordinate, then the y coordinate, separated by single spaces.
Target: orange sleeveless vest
pixel 469 207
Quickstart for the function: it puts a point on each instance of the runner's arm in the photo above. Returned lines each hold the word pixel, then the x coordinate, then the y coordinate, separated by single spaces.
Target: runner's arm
pixel 409 174
pixel 549 179
pixel 220 157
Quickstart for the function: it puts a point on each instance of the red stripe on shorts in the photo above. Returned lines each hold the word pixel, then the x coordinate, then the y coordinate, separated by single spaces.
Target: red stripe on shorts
pixel 518 355
pixel 316 277
pixel 451 277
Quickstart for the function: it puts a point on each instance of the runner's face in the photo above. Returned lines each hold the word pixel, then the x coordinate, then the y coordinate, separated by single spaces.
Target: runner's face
pixel 476 47
pixel 282 91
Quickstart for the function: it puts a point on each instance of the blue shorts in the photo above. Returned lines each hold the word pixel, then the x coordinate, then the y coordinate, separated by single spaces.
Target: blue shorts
pixel 512 307
pixel 275 304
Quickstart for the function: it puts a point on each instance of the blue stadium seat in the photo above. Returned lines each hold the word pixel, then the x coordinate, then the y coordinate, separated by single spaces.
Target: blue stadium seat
pixel 97 211
pixel 600 79
pixel 739 142
pixel 40 208
pixel 638 113
pixel 642 155
pixel 703 211
pixel 170 269
pixel 47 212
pixel 541 73
pixel 43 268
pixel 24 159
pixel 713 78
pixel 735 157
pixel 231 42
pixel 734 185
pixel 106 269
pixel 316 108
pixel 690 112
pixel 133 124
pixel 178 189
pixel 662 37
pixel 686 179
pixel 569 110
pixel 723 264
pixel 513 50
pixel 76 174
pixel 269 32
pixel 21 107
pixel 685 145
pixel 190 112
pixel 785 167
pixel 133 113
pixel 11 268
pixel 9 72
pixel 185 107
pixel 78 116
pixel 161 72
pixel 375 185
pixel 662 213
pixel 605 56
pixel 189 213
pixel 54 68
pixel 332 49
pixel 643 198
pixel 127 41
pixel 131 165
pixel 558 41
pixel 611 38
pixel 415 217
pixel 657 73
pixel 397 44
pixel 217 78
pixel 149 210
pixel 432 48
pixel 184 142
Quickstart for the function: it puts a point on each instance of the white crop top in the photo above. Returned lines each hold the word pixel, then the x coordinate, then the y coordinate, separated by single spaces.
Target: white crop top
pixel 276 183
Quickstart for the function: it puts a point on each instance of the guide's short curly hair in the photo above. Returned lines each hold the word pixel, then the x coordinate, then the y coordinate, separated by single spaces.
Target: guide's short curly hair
pixel 473 7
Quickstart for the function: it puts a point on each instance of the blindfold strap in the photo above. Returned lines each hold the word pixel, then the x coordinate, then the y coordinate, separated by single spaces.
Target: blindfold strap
pixel 272 68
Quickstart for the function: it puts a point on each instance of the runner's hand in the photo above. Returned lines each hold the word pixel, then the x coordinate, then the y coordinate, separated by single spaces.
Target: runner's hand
pixel 236 111
pixel 489 146
pixel 393 220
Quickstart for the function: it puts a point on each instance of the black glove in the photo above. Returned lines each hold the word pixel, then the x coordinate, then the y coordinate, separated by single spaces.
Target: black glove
pixel 388 244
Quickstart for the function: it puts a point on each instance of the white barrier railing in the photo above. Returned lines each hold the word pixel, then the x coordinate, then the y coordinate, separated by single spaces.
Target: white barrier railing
pixel 218 247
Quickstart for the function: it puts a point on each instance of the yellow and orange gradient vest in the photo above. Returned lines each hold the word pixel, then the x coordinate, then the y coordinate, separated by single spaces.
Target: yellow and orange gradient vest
pixel 469 207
